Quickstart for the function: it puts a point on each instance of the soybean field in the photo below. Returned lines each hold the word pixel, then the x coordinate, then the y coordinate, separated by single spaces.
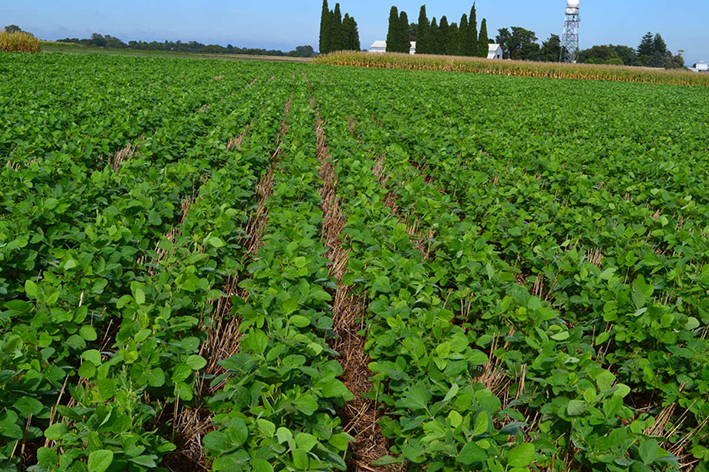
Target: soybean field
pixel 253 266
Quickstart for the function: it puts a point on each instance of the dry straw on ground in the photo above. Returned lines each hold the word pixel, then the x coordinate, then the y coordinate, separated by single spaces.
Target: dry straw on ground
pixel 360 415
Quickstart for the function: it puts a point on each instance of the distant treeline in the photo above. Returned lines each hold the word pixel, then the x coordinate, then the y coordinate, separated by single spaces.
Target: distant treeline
pixel 521 44
pixel 108 41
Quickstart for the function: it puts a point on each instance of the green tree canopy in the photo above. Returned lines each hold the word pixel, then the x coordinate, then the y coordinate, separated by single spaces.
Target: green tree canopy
pixel 551 49
pixel 513 43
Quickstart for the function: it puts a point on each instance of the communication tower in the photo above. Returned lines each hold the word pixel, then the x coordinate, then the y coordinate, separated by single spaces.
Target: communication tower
pixel 570 38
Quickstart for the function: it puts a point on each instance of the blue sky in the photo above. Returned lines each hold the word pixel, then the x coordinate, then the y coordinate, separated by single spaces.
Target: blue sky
pixel 284 24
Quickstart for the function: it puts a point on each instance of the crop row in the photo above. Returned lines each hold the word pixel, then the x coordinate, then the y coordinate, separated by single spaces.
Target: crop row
pixel 474 298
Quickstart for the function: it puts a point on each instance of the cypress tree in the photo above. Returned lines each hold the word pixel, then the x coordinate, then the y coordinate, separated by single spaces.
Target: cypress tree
pixel 404 37
pixel 484 40
pixel 463 32
pixel 452 43
pixel 354 33
pixel 324 30
pixel 336 30
pixel 346 33
pixel 433 38
pixel 393 29
pixel 471 45
pixel 422 32
pixel 443 30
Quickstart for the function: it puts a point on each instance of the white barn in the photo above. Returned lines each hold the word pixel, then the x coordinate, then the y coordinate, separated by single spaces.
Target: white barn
pixel 379 47
pixel 701 67
pixel 494 51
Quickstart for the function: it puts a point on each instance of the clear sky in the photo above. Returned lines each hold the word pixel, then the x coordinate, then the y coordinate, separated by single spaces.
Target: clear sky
pixel 283 24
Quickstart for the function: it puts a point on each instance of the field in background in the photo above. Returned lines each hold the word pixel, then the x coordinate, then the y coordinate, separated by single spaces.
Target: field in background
pixel 53 47
pixel 516 68
pixel 264 266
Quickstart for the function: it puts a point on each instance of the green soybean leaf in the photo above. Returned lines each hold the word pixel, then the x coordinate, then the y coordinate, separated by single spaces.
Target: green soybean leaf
pixel 649 451
pixel 306 404
pixel 28 406
pixel 196 362
pixel 217 441
pixel 56 431
pixel 576 408
pixel 470 454
pixel 88 333
pixel 266 427
pixel 100 460
pixel 145 461
pixel 260 465
pixel 521 456
pixel 481 424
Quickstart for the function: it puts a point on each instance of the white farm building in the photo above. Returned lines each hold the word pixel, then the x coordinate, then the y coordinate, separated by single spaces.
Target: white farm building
pixel 494 51
pixel 701 67
pixel 379 47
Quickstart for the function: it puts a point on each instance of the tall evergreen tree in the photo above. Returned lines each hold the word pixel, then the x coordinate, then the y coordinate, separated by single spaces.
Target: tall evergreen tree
pixel 453 40
pixel 393 29
pixel 659 45
pixel 484 40
pixel 661 56
pixel 646 47
pixel 404 36
pixel 443 30
pixel 471 46
pixel 463 31
pixel 336 41
pixel 354 35
pixel 346 39
pixel 422 32
pixel 434 38
pixel 324 29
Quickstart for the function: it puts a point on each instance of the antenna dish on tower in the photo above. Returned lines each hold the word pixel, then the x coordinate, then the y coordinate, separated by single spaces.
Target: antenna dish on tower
pixel 570 37
pixel 572 7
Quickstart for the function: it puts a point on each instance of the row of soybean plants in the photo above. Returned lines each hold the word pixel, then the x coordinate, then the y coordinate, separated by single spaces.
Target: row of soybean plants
pixel 67 337
pixel 426 360
pixel 663 327
pixel 579 403
pixel 275 407
pixel 42 182
pixel 637 282
pixel 94 106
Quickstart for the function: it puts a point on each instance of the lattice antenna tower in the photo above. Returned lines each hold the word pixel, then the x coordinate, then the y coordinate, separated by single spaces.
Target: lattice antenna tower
pixel 570 38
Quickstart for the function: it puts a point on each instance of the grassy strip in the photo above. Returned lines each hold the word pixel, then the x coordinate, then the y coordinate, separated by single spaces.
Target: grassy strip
pixel 518 68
